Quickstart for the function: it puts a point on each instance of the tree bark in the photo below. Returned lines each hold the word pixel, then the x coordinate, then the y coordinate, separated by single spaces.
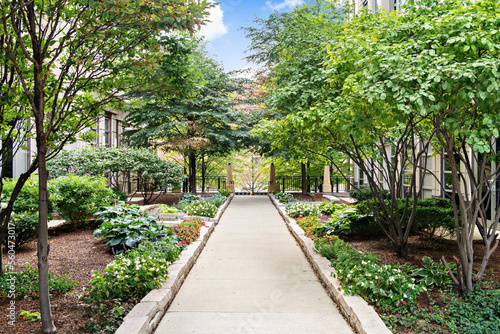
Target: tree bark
pixel 192 172
pixel 304 178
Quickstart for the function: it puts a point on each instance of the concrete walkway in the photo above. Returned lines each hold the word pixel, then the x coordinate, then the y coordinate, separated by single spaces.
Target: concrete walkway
pixel 252 277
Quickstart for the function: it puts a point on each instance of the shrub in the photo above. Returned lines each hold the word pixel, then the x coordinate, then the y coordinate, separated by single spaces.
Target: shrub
pixel 131 275
pixel 164 208
pixel 225 192
pixel 80 196
pixel 364 193
pixel 27 200
pixel 25 227
pixel 126 227
pixel 434 215
pixel 360 273
pixel 26 282
pixel 301 209
pixel 120 195
pixel 186 200
pixel 201 208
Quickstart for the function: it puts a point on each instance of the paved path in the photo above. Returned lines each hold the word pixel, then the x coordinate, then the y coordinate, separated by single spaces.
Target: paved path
pixel 252 277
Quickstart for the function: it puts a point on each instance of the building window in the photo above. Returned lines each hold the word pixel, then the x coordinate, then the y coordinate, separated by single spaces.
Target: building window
pixel 107 131
pixel 116 134
pixel 447 178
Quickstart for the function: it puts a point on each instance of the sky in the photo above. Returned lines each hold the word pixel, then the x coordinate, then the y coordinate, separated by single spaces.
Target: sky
pixel 226 40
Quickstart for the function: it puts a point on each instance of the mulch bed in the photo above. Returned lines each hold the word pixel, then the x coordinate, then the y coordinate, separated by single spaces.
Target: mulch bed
pixel 75 253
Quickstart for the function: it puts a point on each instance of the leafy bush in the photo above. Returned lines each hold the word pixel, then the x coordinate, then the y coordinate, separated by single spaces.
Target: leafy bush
pixel 27 200
pixel 26 282
pixel 164 208
pixel 328 208
pixel 25 227
pixel 126 227
pixel 364 193
pixel 361 274
pixel 153 173
pixel 186 200
pixel 301 209
pixel 131 275
pixel 225 192
pixel 201 208
pixel 432 274
pixel 121 195
pixel 80 196
pixel 283 197
pixel 434 215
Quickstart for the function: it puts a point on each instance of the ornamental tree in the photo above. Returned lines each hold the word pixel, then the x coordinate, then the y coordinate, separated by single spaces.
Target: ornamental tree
pixel 153 174
pixel 440 60
pixel 72 59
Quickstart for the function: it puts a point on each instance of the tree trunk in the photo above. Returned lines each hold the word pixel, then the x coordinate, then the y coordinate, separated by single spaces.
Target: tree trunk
pixel 43 240
pixel 203 171
pixel 192 172
pixel 304 178
pixel 401 249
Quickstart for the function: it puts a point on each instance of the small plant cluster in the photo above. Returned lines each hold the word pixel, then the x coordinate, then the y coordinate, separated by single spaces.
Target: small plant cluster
pixel 185 201
pixel 328 208
pixel 359 273
pixel 127 279
pixel 309 224
pixel 126 226
pixel 164 208
pixel 27 282
pixel 188 230
pixel 201 208
pixel 216 200
pixel 225 192
pixel 301 209
pixel 283 197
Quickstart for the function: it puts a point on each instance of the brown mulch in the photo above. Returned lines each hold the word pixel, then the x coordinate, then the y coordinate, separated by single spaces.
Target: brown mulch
pixel 308 197
pixel 168 198
pixel 75 253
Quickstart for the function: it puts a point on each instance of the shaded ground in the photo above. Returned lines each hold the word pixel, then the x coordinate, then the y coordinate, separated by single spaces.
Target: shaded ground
pixel 75 253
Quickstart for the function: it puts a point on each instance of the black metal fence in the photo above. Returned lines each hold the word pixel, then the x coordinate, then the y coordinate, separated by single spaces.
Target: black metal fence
pixel 313 183
pixel 212 183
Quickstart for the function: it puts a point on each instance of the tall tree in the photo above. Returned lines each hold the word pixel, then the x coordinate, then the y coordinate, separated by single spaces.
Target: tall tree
pixel 73 58
pixel 440 60
pixel 199 118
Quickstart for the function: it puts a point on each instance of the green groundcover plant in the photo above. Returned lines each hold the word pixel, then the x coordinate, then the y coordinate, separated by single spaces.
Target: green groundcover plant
pixel 301 209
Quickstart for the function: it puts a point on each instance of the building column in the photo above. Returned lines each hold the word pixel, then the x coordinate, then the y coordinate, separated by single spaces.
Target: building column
pixel 230 181
pixel 273 186
pixel 327 186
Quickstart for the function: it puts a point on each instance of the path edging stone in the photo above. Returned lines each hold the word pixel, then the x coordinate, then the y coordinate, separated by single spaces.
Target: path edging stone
pixel 146 315
pixel 357 311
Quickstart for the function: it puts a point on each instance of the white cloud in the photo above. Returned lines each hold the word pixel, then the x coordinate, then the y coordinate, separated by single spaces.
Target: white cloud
pixel 284 4
pixel 216 27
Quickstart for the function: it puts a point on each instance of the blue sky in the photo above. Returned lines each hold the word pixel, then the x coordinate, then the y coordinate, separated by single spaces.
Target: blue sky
pixel 227 42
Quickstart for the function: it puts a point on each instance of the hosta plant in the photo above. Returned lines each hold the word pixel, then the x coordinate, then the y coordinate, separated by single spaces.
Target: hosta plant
pixel 164 208
pixel 301 209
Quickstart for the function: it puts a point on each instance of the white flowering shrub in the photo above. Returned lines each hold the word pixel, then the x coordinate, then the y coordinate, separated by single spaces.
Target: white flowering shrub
pixel 301 209
pixel 388 284
pixel 201 208
pixel 135 273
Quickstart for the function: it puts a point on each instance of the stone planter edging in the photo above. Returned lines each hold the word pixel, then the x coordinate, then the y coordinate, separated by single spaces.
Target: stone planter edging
pixel 357 311
pixel 146 315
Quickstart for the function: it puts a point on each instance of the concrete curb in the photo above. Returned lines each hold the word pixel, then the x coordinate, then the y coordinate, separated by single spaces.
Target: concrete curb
pixel 146 315
pixel 357 311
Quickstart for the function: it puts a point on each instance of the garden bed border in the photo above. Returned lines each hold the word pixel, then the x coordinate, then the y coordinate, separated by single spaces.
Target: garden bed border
pixel 357 311
pixel 146 315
